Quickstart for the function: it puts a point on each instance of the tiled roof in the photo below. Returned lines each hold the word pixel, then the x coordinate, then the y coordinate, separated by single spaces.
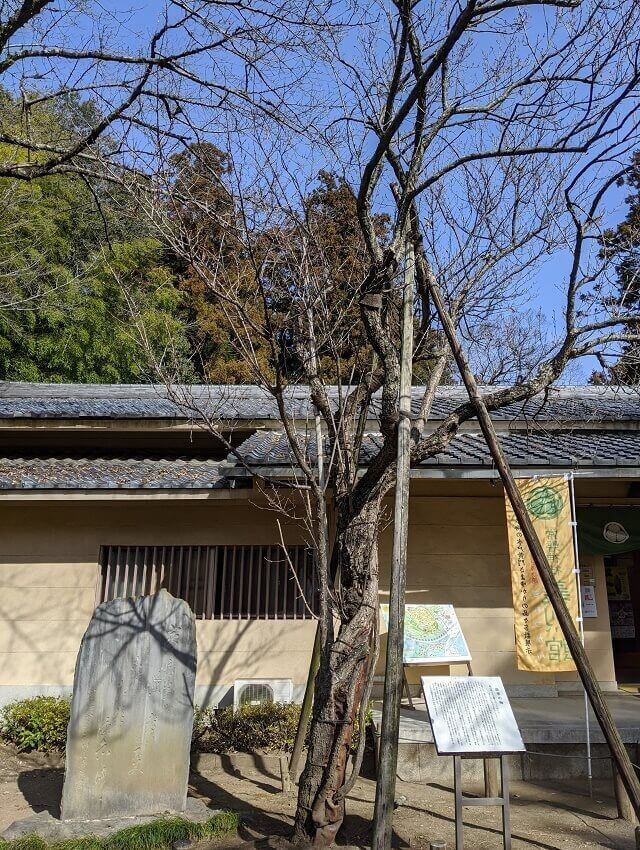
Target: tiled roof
pixel 107 401
pixel 523 449
pixel 109 473
pixel 604 449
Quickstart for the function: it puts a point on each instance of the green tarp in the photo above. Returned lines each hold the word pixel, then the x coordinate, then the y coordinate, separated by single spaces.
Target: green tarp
pixel 608 531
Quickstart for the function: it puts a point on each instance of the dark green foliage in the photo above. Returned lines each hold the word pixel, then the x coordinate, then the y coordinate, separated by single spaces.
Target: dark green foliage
pixel 149 836
pixel 82 282
pixel 39 723
pixel 268 727
pixel 622 244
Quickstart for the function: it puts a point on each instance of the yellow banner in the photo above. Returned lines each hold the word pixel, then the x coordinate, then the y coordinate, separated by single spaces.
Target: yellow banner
pixel 540 646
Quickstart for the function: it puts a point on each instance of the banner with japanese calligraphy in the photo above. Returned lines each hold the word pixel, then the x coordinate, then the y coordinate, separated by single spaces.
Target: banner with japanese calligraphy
pixel 540 646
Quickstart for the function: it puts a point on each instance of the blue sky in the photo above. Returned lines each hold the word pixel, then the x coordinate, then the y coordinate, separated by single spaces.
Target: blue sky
pixel 129 20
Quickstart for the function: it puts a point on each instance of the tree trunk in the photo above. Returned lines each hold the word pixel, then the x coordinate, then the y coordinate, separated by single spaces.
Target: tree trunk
pixel 341 679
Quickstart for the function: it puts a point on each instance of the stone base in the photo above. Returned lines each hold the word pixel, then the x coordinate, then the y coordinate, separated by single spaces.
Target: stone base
pixel 46 826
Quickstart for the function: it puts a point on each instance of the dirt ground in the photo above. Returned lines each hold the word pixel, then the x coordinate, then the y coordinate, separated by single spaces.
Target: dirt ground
pixel 543 818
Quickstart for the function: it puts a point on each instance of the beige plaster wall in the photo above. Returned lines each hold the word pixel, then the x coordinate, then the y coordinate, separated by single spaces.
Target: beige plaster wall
pixel 49 573
pixel 48 576
pixel 458 554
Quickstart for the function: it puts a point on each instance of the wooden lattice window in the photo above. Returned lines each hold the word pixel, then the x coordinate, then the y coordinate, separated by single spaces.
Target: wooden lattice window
pixel 218 582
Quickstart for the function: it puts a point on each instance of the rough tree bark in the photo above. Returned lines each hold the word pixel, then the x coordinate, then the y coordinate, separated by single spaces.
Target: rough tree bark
pixel 345 662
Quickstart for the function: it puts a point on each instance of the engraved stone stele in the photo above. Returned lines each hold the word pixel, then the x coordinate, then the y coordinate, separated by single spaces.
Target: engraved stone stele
pixel 131 722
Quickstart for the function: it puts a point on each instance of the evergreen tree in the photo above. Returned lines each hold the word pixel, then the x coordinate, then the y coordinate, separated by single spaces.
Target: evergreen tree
pixel 623 243
pixel 76 266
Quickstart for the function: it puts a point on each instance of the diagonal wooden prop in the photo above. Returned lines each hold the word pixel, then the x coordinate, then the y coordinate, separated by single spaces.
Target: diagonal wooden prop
pixel 583 665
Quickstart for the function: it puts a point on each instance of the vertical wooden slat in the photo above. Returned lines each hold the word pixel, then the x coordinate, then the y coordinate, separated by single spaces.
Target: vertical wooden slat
pixel 277 585
pixel 141 570
pixel 180 581
pixel 105 564
pixel 223 583
pixel 311 581
pixel 116 572
pixel 232 584
pixel 187 584
pixel 256 562
pixel 292 596
pixel 204 578
pixel 250 561
pixel 286 578
pixel 297 610
pixel 157 567
pixel 125 570
pixel 135 571
pixel 202 581
pixel 170 556
pixel 206 563
pixel 194 602
pixel 241 571
pixel 299 607
pixel 212 572
pixel 267 584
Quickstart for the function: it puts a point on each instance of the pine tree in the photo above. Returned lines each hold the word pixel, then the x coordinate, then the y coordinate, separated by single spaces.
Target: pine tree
pixel 623 244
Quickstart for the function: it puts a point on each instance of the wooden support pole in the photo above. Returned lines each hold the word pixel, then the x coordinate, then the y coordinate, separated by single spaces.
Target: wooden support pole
pixel 492 780
pixel 305 711
pixel 307 702
pixel 285 778
pixel 394 670
pixel 625 808
pixel 585 671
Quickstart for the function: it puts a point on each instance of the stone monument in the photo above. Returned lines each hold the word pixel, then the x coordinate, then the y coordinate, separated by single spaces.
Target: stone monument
pixel 131 722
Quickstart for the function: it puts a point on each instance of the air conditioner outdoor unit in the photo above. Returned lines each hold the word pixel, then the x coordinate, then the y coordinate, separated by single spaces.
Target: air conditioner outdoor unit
pixel 257 691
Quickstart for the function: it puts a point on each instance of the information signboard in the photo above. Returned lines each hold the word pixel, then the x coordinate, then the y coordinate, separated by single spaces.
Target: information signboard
pixel 589 604
pixel 471 714
pixel 432 635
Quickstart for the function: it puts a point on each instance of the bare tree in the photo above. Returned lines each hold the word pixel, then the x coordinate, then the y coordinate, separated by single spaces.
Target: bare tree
pixel 492 132
pixel 124 73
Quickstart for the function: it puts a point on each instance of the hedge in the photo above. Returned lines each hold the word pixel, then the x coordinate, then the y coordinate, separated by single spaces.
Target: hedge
pixel 41 723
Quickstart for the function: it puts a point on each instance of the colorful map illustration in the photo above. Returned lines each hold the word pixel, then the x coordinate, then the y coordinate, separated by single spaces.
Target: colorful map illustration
pixel 432 635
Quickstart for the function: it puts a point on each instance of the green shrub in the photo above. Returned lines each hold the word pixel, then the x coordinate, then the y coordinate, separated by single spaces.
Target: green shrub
pixel 268 727
pixel 39 723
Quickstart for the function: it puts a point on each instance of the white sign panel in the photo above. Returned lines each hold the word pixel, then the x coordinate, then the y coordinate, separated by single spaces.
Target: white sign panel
pixel 589 605
pixel 471 714
pixel 432 635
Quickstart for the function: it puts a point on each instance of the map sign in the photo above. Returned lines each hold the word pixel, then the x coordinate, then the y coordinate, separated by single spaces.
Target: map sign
pixel 471 714
pixel 432 635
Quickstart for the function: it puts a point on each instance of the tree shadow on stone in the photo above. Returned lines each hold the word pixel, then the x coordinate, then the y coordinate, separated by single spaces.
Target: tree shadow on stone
pixel 42 789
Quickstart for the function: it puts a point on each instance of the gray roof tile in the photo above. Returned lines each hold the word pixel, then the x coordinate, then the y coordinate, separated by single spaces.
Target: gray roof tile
pixel 526 449
pixel 109 473
pixel 111 401
pixel 270 449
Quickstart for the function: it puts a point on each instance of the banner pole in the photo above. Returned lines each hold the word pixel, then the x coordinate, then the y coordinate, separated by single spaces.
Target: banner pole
pixel 576 554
